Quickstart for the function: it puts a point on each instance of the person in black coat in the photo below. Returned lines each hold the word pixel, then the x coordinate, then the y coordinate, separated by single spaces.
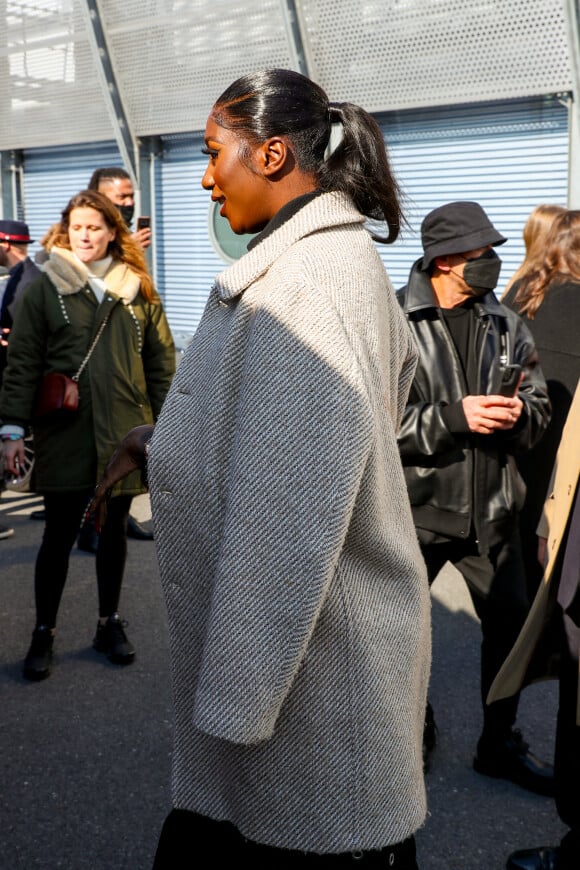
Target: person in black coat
pixel 460 432
pixel 14 241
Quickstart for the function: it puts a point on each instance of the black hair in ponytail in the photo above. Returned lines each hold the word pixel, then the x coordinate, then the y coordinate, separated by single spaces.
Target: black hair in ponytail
pixel 279 102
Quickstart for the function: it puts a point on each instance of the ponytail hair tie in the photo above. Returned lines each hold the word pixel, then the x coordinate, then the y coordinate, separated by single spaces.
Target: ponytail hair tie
pixel 336 129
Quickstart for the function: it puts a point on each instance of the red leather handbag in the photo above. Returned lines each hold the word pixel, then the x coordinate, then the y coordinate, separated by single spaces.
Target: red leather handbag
pixel 58 395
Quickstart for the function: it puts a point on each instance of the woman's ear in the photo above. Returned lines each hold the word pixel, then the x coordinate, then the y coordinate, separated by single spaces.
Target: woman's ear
pixel 274 154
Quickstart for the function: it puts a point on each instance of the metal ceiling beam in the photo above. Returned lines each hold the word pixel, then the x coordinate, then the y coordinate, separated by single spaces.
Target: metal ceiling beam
pixel 126 141
pixel 294 32
pixel 572 13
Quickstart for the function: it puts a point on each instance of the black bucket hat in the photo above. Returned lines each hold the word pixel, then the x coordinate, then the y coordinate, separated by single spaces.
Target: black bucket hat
pixel 455 228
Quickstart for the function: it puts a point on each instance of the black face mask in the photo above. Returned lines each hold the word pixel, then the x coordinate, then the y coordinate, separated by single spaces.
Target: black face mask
pixel 482 273
pixel 126 212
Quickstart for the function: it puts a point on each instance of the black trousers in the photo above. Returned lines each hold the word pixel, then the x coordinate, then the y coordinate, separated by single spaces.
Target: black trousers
pixel 502 611
pixel 64 514
pixel 567 759
pixel 186 837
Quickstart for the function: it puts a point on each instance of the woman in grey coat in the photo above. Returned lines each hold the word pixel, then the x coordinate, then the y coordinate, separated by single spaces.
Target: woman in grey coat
pixel 297 597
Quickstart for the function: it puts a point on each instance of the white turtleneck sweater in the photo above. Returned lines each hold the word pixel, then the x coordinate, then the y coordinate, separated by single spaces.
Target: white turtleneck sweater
pixel 96 272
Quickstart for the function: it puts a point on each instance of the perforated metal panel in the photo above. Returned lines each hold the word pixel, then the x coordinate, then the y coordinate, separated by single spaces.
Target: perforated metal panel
pixel 406 53
pixel 49 92
pixel 172 58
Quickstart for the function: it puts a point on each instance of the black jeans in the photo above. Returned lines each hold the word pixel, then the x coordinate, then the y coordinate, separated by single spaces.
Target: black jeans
pixel 502 611
pixel 567 759
pixel 186 837
pixel 64 513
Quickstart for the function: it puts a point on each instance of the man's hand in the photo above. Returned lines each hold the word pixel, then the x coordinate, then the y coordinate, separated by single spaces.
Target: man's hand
pixel 4 333
pixel 143 237
pixel 488 414
pixel 13 456
pixel 129 456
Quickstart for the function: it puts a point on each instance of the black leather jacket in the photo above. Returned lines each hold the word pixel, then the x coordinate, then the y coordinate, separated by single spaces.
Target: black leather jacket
pixel 457 480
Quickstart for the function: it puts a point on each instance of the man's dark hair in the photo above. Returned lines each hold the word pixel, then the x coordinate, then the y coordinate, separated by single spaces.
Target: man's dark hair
pixel 108 173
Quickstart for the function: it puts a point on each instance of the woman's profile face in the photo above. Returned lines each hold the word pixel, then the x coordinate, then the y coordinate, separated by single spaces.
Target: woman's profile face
pixel 89 234
pixel 240 191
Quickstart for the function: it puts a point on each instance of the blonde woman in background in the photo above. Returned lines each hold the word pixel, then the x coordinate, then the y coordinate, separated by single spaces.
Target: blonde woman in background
pixel 536 230
pixel 547 296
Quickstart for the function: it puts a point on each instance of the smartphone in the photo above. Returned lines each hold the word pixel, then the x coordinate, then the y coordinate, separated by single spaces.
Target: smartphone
pixel 510 378
pixel 143 222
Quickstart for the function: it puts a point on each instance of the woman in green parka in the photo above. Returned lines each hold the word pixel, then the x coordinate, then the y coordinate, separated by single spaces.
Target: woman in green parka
pixel 96 273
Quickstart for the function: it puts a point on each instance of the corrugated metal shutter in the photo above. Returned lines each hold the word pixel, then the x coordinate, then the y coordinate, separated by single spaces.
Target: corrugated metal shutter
pixel 53 175
pixel 187 263
pixel 509 157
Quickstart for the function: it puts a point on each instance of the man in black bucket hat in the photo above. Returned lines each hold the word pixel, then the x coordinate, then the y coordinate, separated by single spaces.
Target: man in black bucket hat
pixel 455 228
pixel 478 396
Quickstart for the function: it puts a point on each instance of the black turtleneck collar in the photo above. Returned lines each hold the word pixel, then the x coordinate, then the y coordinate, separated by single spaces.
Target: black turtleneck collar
pixel 284 214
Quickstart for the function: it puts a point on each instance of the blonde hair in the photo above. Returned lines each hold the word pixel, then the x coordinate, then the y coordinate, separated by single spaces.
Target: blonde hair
pixel 123 247
pixel 559 262
pixel 536 230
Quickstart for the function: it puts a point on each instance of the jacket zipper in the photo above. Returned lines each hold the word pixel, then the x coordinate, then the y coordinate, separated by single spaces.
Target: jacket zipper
pixel 478 459
pixel 455 355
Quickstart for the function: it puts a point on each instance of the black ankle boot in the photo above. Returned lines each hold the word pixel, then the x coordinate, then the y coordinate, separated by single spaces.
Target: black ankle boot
pixel 39 656
pixel 511 759
pixel 112 640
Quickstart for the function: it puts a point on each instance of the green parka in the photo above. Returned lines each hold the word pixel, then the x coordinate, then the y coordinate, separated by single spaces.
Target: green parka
pixel 123 385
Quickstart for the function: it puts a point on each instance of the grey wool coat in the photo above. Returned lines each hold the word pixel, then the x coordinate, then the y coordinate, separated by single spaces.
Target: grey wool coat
pixel 298 604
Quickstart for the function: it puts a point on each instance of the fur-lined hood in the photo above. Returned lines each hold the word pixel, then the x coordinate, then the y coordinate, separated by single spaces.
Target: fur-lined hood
pixel 69 276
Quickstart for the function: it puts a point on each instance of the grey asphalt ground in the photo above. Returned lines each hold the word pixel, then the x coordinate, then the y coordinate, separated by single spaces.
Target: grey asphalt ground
pixel 85 755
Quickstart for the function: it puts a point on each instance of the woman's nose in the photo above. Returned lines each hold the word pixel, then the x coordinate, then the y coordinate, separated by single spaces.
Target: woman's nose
pixel 207 181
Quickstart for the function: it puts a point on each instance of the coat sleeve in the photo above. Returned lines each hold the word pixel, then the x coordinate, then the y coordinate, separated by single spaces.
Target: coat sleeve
pixel 303 434
pixel 158 357
pixel 26 357
pixel 423 431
